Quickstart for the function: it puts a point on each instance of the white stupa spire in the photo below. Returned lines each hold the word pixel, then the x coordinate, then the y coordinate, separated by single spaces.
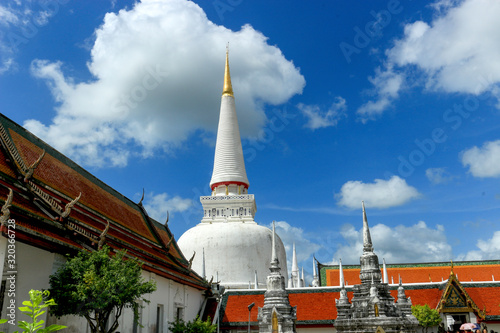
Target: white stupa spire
pixel 367 240
pixel 229 166
pixel 295 269
pixel 341 274
pixel 386 277
pixel 315 274
pixel 256 283
pixel 203 273
pixel 315 281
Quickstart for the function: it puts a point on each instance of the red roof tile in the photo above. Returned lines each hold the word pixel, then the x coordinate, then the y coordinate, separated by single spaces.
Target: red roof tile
pixel 421 273
pixel 70 182
pixel 62 180
pixel 312 305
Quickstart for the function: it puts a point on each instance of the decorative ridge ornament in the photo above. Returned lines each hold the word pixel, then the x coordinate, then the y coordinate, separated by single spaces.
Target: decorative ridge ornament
pixel 5 208
pixel 69 206
pixel 191 260
pixel 142 198
pixel 168 216
pixel 32 167
pixel 12 150
pixel 102 236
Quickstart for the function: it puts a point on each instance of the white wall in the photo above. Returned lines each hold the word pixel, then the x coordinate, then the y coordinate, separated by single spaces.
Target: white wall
pixel 34 266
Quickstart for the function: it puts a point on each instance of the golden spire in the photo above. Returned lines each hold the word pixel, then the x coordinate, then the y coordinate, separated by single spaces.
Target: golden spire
pixel 228 88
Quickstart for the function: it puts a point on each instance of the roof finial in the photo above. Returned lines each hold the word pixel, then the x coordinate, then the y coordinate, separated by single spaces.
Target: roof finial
pixel 228 88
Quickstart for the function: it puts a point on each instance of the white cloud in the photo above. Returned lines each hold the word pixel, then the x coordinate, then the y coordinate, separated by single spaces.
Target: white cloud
pixel 401 244
pixel 456 53
pixel 318 118
pixel 487 249
pixel 387 84
pixel 159 205
pixel 380 194
pixel 304 246
pixel 484 161
pixel 158 72
pixel 19 23
pixel 6 65
pixel 7 16
pixel 438 175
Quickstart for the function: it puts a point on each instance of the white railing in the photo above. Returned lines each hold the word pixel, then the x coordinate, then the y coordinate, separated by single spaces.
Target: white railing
pixel 228 197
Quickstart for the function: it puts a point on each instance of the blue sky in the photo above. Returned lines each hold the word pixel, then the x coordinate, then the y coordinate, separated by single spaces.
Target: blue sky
pixel 394 103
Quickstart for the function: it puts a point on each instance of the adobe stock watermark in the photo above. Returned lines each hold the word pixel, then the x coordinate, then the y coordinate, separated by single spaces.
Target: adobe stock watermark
pixel 453 119
pixel 138 93
pixel 11 281
pixel 30 29
pixel 279 120
pixel 223 6
pixel 364 36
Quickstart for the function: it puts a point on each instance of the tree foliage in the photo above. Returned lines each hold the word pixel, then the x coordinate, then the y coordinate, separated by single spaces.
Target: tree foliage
pixel 95 285
pixel 196 326
pixel 34 308
pixel 426 316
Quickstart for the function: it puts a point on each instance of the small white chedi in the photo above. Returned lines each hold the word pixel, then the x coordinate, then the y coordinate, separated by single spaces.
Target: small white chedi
pixel 229 245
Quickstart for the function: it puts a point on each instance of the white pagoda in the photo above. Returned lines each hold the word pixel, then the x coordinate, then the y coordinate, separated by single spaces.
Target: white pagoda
pixel 236 248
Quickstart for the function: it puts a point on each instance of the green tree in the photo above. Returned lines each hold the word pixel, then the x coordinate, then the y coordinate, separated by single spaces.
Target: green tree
pixel 95 285
pixel 426 316
pixel 196 326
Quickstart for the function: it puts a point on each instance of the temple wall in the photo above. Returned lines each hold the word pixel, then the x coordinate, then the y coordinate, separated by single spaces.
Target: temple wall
pixel 34 266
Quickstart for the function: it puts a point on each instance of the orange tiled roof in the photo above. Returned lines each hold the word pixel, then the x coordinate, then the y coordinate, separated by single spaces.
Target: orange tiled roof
pixel 71 182
pixel 419 273
pixel 314 307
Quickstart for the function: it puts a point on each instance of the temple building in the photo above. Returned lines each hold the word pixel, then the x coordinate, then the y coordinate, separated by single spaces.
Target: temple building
pixel 59 208
pixel 52 207
pixel 235 247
